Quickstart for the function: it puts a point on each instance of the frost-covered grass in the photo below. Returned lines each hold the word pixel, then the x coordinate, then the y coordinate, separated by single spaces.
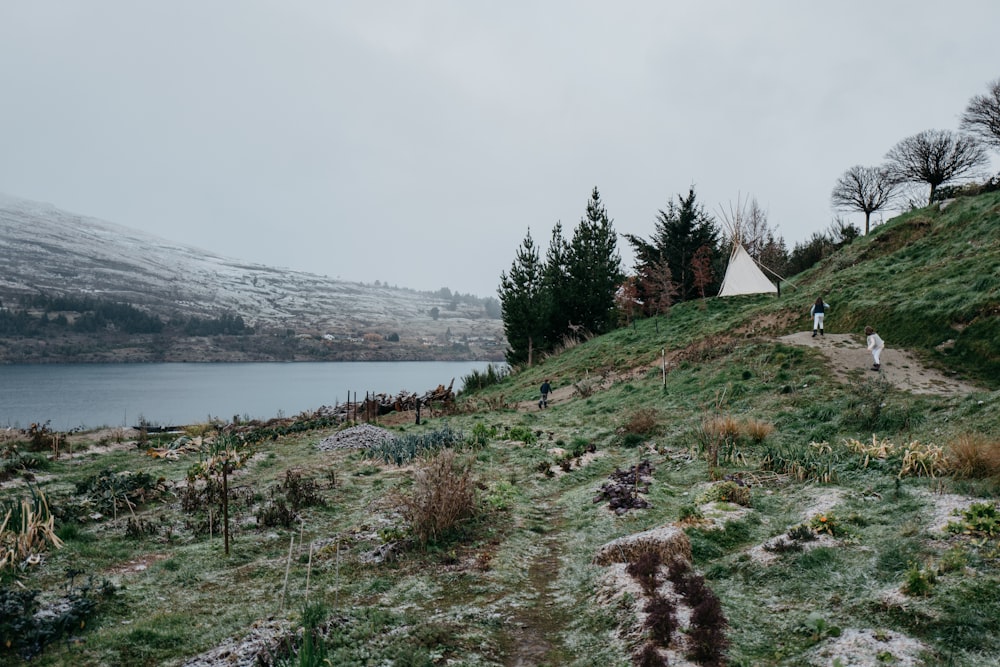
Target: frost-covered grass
pixel 884 579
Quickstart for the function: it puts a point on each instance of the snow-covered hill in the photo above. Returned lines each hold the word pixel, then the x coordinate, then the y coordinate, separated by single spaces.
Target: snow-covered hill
pixel 47 250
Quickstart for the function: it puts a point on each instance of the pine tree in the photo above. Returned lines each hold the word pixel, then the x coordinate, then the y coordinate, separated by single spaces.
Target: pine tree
pixel 523 312
pixel 593 267
pixel 555 287
pixel 679 232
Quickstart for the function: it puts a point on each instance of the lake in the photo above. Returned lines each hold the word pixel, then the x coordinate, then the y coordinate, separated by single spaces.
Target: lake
pixel 93 395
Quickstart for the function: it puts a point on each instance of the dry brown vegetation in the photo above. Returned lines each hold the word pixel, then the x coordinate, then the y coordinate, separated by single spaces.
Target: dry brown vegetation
pixel 974 456
pixel 443 495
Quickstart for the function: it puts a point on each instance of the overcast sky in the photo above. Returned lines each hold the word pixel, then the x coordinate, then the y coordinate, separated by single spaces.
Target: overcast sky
pixel 415 143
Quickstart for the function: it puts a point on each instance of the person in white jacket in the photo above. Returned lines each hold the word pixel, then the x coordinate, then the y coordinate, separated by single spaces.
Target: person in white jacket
pixel 875 346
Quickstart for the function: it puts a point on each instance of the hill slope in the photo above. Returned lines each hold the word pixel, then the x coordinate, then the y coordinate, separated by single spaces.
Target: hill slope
pixel 821 514
pixel 45 250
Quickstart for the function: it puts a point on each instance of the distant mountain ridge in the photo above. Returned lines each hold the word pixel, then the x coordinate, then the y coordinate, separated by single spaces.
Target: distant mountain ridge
pixel 46 250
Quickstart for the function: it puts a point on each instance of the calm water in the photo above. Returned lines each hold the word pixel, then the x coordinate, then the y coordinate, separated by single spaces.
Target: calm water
pixel 93 395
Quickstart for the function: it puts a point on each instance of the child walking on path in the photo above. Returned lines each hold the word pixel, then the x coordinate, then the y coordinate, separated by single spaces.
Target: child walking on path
pixel 545 389
pixel 875 346
pixel 817 311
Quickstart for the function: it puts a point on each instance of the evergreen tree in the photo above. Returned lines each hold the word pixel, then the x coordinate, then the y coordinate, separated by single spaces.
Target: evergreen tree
pixel 679 232
pixel 555 288
pixel 524 317
pixel 593 267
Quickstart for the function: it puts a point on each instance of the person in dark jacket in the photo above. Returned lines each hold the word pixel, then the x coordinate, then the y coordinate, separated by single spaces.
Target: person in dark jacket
pixel 546 389
pixel 817 311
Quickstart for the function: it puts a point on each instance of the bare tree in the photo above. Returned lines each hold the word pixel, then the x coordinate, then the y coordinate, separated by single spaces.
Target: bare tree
pixel 747 224
pixel 865 189
pixel 935 157
pixel 701 267
pixel 982 116
pixel 626 300
pixel 660 287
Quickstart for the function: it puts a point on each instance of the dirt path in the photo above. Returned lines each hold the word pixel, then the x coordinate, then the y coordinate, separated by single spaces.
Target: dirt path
pixel 534 630
pixel 850 358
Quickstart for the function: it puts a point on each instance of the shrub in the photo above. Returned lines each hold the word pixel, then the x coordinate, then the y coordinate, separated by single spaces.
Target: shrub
pixel 522 434
pixel 644 569
pixel 443 496
pixel 826 523
pixel 708 631
pixel 689 514
pixel 728 491
pixel 13 462
pixel 815 461
pixel 25 629
pixel 642 422
pixel 477 380
pixel 979 519
pixel 718 438
pixel 481 435
pixel 300 492
pixel 758 430
pixel 661 620
pixel 974 456
pixel 649 656
pixel 276 513
pixel 501 496
pixel 110 490
pixel 870 396
pixel 27 528
pixel 922 460
pixel 632 440
pixel 708 623
pixel 919 581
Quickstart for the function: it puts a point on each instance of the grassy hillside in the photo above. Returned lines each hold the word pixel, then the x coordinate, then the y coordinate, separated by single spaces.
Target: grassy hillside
pixel 814 511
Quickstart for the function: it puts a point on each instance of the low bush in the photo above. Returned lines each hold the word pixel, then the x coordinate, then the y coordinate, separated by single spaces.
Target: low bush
pixel 276 513
pixel 522 434
pixel 869 399
pixel 481 435
pixel 301 492
pixel 112 491
pixel 443 496
pixel 980 519
pixel 645 570
pixel 644 421
pixel 27 528
pixel 478 380
pixel 974 456
pixel 26 629
pixel 728 491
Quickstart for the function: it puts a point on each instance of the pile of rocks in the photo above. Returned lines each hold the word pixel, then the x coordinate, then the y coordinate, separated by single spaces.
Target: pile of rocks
pixel 362 436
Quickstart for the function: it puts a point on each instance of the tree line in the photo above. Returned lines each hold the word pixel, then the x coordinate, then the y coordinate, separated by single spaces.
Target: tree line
pixel 39 315
pixel 579 287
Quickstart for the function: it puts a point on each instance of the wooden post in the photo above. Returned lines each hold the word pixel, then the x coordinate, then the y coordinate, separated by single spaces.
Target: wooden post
pixel 225 504
pixel 663 365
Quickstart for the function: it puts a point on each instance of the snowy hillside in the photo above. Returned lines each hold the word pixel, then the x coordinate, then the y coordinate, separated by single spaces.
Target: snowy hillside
pixel 47 250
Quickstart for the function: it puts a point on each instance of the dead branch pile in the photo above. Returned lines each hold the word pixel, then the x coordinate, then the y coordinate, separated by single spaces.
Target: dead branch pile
pixel 376 405
pixel 622 492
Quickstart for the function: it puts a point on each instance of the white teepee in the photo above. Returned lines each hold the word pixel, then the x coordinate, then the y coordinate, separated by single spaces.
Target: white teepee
pixel 743 276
